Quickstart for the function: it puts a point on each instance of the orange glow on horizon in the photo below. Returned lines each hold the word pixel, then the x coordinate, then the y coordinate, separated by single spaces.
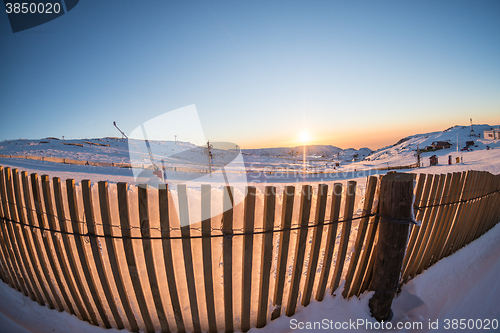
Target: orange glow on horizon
pixel 364 137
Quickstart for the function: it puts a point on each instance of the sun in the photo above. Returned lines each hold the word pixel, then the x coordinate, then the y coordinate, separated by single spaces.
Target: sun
pixel 304 137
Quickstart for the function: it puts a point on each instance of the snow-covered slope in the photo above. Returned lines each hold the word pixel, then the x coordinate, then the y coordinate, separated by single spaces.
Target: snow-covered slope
pixel 456 136
pixel 404 152
pixel 98 150
pixel 117 150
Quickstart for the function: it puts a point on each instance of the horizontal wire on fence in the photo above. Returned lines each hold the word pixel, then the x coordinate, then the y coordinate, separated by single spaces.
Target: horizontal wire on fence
pixel 451 196
pixel 310 224
pixel 223 234
pixel 455 202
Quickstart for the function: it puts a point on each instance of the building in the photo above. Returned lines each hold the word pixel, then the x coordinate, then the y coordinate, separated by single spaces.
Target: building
pixel 440 145
pixel 492 134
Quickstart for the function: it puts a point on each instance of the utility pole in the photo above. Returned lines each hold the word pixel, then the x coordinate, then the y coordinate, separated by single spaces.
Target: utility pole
pixel 461 156
pixel 209 159
pixel 418 156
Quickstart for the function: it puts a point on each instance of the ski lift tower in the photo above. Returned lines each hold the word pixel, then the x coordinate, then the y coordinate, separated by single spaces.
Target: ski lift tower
pixel 471 129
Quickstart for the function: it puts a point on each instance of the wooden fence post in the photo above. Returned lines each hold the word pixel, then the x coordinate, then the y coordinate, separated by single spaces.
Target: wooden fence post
pixel 396 194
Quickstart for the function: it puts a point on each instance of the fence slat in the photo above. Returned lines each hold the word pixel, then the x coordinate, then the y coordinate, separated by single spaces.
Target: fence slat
pixel 167 255
pixel 38 250
pixel 70 255
pixel 485 210
pixel 7 273
pixel 420 230
pixel 3 277
pixel 206 230
pixel 443 231
pixel 188 255
pixel 96 252
pixel 464 217
pixel 346 231
pixel 480 206
pixel 371 244
pixel 317 233
pixel 35 187
pixel 128 247
pixel 266 255
pixel 330 240
pixel 456 221
pixel 432 222
pixel 495 214
pixel 13 233
pixel 111 248
pixel 366 276
pixel 492 205
pixel 438 221
pixel 227 251
pixel 66 278
pixel 248 227
pixel 426 226
pixel 77 227
pixel 148 255
pixel 7 241
pixel 414 228
pixel 300 248
pixel 479 190
pixel 360 239
pixel 284 242
pixel 27 244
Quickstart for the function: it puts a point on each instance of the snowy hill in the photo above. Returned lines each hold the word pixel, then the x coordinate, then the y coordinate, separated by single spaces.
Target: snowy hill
pixel 324 159
pixel 116 150
pixel 404 151
pixel 99 149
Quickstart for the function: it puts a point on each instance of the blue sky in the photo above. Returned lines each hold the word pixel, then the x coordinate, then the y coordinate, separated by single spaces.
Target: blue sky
pixel 352 74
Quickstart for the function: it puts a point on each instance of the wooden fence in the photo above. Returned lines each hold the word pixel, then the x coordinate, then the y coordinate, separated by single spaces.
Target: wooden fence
pixel 117 257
